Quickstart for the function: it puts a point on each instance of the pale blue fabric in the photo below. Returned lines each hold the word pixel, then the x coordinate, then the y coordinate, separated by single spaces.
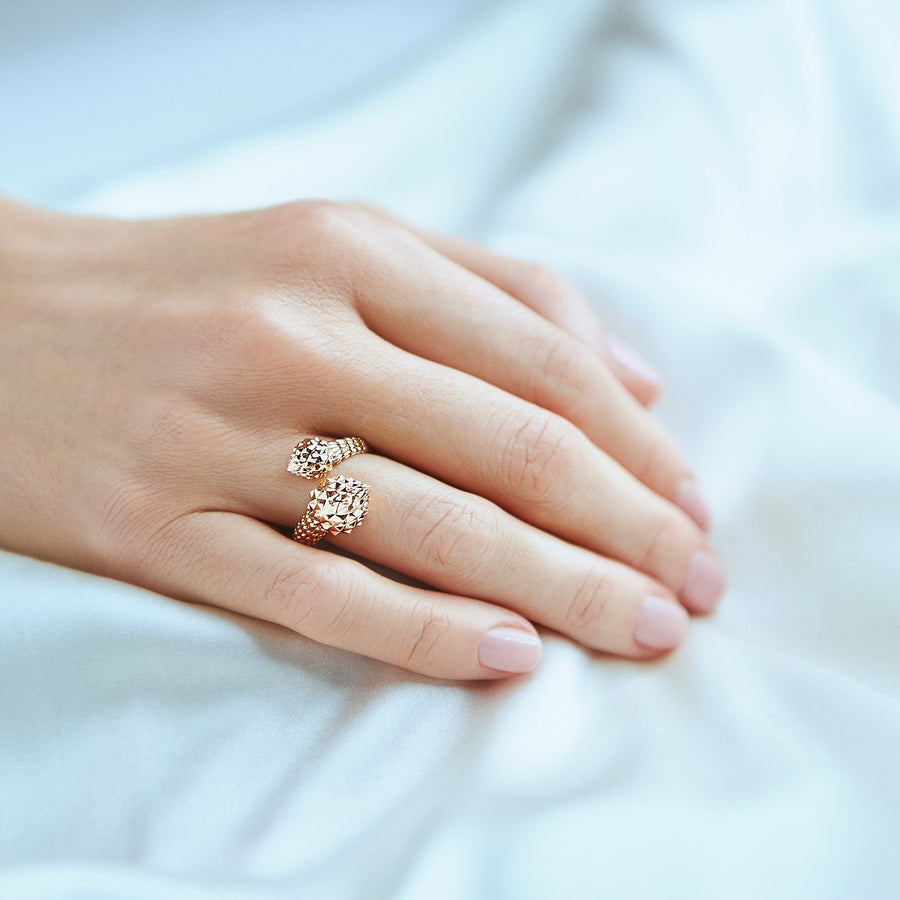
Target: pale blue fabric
pixel 95 88
pixel 722 178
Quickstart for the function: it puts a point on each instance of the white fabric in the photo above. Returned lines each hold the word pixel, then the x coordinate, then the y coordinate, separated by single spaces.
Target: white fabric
pixel 97 87
pixel 723 179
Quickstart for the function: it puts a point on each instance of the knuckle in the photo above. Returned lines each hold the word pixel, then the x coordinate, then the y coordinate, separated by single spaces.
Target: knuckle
pixel 655 465
pixel 287 228
pixel 536 454
pixel 429 623
pixel 299 595
pixel 308 237
pixel 344 618
pixel 334 221
pixel 586 606
pixel 452 535
pixel 319 215
pixel 559 370
pixel 663 540
pixel 544 284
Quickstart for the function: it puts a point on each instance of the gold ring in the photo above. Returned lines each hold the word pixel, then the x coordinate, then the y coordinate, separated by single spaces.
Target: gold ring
pixel 315 456
pixel 336 506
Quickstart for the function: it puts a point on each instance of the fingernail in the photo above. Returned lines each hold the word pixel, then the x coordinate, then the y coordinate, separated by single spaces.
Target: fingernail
pixel 660 624
pixel 705 583
pixel 691 501
pixel 510 650
pixel 630 363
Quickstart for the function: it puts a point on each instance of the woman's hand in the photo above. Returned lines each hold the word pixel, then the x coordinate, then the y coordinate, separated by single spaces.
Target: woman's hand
pixel 155 377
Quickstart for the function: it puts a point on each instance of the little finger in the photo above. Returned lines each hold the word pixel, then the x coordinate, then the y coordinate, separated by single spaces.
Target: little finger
pixel 465 545
pixel 234 562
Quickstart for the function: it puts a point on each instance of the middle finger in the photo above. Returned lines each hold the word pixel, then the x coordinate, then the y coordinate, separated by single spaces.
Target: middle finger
pixel 533 463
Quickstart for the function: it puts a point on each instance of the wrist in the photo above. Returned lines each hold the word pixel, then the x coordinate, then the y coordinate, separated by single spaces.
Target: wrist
pixel 45 254
pixel 31 239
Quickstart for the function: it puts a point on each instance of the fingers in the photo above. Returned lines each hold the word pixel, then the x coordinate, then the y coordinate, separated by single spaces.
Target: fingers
pixel 465 545
pixel 469 324
pixel 556 300
pixel 534 464
pixel 234 562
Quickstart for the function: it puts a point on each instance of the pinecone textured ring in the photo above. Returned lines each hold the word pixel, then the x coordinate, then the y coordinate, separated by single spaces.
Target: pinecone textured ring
pixel 315 456
pixel 336 506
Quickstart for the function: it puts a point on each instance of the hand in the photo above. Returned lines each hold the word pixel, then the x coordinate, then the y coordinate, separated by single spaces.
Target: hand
pixel 156 376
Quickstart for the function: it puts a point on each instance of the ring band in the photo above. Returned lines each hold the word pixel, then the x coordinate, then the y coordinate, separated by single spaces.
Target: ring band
pixel 315 456
pixel 336 506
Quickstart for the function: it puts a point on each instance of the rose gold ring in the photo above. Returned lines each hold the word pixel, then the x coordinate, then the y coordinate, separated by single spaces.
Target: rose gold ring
pixel 336 506
pixel 315 456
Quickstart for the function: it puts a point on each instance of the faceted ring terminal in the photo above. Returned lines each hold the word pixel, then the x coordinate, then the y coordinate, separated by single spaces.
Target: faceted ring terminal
pixel 315 456
pixel 336 506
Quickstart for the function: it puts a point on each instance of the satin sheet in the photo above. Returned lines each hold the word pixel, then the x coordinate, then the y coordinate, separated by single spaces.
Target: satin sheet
pixel 723 180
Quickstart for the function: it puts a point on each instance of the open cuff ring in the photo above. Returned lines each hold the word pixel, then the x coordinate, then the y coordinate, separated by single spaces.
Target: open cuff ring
pixel 336 506
pixel 315 456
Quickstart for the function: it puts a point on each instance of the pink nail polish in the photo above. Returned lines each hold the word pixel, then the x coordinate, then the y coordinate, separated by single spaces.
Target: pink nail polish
pixel 510 650
pixel 660 624
pixel 630 363
pixel 691 501
pixel 705 583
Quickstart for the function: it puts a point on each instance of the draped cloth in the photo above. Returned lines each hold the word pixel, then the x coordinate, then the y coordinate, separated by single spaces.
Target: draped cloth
pixel 722 179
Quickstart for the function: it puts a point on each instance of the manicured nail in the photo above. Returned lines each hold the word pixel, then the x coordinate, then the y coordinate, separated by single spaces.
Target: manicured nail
pixel 691 501
pixel 631 366
pixel 510 650
pixel 705 583
pixel 660 624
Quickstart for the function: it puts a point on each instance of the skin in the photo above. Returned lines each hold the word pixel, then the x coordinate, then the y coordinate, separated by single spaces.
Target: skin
pixel 155 376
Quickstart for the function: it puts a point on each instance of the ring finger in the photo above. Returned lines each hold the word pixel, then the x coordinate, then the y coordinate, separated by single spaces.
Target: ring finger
pixel 463 544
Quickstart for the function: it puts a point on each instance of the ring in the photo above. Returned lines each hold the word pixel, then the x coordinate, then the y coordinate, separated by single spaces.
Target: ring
pixel 315 456
pixel 336 506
